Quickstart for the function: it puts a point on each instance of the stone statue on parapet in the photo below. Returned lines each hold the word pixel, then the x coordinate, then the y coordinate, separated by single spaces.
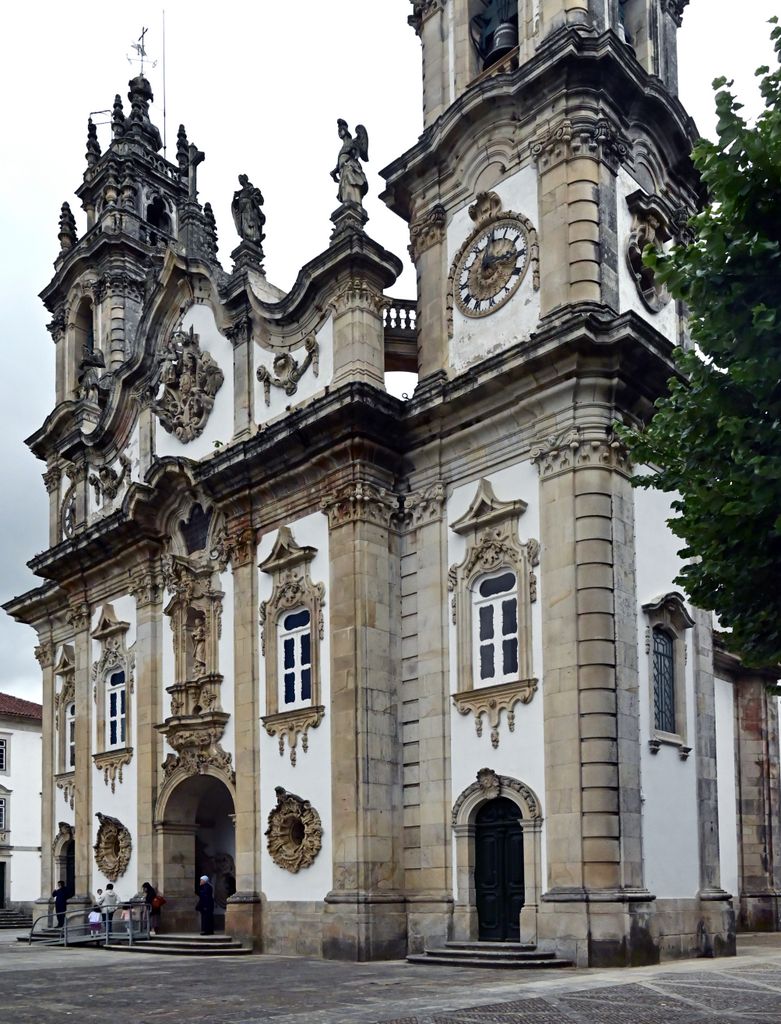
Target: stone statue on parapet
pixel 247 215
pixel 348 171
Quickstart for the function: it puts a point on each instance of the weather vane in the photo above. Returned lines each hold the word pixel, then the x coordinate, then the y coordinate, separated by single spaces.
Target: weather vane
pixel 140 47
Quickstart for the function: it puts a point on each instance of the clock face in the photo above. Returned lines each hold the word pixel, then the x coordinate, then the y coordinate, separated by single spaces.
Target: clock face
pixel 488 274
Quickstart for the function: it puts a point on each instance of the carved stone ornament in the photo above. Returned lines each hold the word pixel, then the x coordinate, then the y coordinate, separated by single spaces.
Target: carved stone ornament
pixel 359 500
pixel 78 615
pixel 426 231
pixel 595 137
pixel 675 9
pixel 650 226
pixel 44 653
pixel 190 379
pixel 66 782
pixel 577 448
pixel 294 834
pixel 64 834
pixel 107 481
pixel 112 847
pixel 111 763
pixel 51 479
pixel 291 725
pixel 491 701
pixel 421 9
pixel 235 547
pixel 489 786
pixel 286 370
pixel 68 513
pixel 357 293
pixel 425 506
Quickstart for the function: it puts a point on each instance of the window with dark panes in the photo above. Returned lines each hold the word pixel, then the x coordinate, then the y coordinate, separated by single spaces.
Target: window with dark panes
pixel 295 646
pixel 664 681
pixel 70 733
pixel 496 628
pixel 116 719
pixel 3 755
pixel 2 813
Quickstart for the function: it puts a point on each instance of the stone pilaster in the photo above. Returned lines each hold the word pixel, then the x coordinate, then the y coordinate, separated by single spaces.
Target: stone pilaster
pixel 428 21
pixel 759 814
pixel 429 888
pixel 364 917
pixel 79 618
pixel 52 478
pixel 595 905
pixel 428 251
pixel 44 653
pixel 148 743
pixel 244 912
pixel 359 338
pixel 240 335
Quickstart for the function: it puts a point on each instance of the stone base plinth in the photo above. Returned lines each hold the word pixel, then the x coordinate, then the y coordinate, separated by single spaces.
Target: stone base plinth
pixel 362 927
pixel 760 912
pixel 244 916
pixel 293 928
pixel 429 922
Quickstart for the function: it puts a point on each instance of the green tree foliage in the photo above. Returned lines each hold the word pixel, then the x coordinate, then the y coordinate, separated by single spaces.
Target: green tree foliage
pixel 716 438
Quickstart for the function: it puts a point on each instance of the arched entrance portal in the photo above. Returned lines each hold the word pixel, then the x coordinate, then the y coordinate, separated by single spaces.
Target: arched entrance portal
pixel 197 838
pixel 499 888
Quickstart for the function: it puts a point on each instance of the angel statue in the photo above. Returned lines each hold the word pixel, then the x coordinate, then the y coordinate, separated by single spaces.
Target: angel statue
pixel 247 215
pixel 348 171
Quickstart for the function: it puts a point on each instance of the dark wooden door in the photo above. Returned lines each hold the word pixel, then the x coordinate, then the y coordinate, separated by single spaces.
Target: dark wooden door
pixel 499 887
pixel 2 884
pixel 70 868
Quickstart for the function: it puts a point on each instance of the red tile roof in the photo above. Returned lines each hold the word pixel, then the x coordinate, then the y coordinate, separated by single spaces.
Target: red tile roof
pixel 18 708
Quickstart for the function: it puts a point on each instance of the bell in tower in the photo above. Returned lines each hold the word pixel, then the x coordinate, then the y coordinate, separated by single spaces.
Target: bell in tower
pixel 494 30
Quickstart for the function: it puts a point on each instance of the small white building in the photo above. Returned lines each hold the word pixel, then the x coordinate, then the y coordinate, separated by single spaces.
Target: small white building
pixel 20 802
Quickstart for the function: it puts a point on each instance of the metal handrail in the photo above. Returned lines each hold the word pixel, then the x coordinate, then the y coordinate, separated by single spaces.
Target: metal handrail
pixel 127 921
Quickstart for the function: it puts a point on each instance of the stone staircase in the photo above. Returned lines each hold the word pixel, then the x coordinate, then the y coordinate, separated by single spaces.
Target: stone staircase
pixel 513 956
pixel 185 945
pixel 15 919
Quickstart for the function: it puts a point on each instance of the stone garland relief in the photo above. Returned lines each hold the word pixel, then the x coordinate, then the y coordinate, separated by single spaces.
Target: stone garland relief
pixel 295 833
pixel 190 379
pixel 107 482
pixel 112 847
pixel 286 370
pixel 650 226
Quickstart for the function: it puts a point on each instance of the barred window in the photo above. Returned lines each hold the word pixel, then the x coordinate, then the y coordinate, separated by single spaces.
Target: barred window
pixel 664 681
pixel 3 755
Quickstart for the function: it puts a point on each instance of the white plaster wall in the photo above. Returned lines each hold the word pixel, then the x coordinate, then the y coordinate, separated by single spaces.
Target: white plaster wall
pixel 308 386
pixel 726 784
pixel 123 802
pixel 474 338
pixel 226 663
pixel 219 425
pixel 665 321
pixel 310 778
pixel 669 785
pixel 22 784
pixel 521 753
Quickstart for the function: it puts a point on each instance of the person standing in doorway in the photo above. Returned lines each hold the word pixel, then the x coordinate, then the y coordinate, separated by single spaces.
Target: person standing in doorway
pixel 60 895
pixel 205 905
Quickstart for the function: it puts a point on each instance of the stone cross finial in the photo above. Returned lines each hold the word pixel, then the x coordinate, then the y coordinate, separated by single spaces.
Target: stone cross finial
pixel 195 156
pixel 93 146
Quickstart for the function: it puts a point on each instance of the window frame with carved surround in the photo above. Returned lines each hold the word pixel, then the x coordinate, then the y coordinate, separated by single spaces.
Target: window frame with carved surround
pixel 4 810
pixel 493 547
pixel 65 711
pixel 293 591
pixel 668 616
pixel 114 658
pixel 5 751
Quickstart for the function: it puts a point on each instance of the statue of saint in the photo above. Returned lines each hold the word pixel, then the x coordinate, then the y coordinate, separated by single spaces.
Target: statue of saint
pixel 348 171
pixel 247 215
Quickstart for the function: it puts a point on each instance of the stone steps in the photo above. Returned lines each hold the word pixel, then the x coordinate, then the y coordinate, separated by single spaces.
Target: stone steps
pixel 15 919
pixel 185 945
pixel 501 955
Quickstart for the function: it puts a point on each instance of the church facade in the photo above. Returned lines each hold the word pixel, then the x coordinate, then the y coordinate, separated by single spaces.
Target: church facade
pixel 392 672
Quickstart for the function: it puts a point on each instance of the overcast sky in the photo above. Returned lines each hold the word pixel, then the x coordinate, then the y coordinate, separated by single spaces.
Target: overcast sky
pixel 259 88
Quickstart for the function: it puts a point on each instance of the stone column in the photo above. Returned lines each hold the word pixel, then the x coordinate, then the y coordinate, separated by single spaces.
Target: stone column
pixel 244 911
pixel 359 337
pixel 428 20
pixel 428 250
pixel 595 906
pixel 85 829
pixel 44 653
pixel 147 741
pixel 52 479
pixel 759 814
pixel 364 915
pixel 430 888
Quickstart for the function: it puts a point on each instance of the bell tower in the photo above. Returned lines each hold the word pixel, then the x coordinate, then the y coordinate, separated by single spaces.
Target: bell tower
pixel 554 151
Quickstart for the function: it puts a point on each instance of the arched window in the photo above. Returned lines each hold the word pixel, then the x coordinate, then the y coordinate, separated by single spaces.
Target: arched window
pixel 116 708
pixel 495 623
pixel 70 737
pixel 664 680
pixel 295 654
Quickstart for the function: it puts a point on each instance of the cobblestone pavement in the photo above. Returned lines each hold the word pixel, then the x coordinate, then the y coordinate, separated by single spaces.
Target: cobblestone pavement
pixel 47 985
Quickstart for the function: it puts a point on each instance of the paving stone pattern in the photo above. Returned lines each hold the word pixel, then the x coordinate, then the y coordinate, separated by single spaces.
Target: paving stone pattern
pixel 44 986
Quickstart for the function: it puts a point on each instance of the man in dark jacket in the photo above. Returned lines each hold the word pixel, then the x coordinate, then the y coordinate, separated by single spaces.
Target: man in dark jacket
pixel 206 906
pixel 60 895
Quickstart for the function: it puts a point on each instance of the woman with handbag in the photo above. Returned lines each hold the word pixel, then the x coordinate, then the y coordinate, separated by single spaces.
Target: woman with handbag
pixel 154 902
